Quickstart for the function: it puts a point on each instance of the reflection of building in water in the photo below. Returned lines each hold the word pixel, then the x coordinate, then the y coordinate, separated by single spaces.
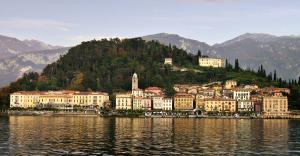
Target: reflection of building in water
pixel 276 132
pixel 28 133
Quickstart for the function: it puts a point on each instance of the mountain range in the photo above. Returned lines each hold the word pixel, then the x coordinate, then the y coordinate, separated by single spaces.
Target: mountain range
pixel 18 57
pixel 252 49
pixel 280 53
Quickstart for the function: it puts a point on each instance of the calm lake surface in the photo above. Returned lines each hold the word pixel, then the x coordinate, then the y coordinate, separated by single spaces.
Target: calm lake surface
pixel 79 135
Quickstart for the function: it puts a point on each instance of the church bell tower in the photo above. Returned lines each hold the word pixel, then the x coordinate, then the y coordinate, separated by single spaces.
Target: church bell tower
pixel 135 82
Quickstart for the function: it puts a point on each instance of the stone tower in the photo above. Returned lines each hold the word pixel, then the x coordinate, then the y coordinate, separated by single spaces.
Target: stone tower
pixel 135 82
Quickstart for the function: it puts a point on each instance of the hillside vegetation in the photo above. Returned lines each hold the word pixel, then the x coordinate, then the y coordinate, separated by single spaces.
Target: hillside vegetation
pixel 108 65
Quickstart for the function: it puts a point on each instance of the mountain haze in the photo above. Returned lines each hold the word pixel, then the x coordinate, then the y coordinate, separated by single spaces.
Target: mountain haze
pixel 10 46
pixel 252 49
pixel 190 45
pixel 14 67
pixel 18 57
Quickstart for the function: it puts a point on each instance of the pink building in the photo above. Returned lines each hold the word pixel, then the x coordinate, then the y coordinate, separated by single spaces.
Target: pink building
pixel 146 104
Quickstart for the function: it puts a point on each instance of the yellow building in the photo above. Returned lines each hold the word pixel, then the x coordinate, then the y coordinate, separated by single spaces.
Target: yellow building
pixel 137 103
pixel 229 84
pixel 211 62
pixel 275 105
pixel 123 101
pixel 200 103
pixel 183 101
pixel 25 99
pixel 221 105
pixel 58 99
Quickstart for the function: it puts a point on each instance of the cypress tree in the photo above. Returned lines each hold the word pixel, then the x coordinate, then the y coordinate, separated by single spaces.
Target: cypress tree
pixel 275 76
pixel 236 65
pixel 199 53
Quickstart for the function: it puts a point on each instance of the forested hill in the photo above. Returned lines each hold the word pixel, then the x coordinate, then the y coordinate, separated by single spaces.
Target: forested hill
pixel 107 65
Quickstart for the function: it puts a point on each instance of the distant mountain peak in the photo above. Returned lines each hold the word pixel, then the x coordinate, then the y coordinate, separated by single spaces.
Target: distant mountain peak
pixel 257 37
pixel 190 45
pixel 10 46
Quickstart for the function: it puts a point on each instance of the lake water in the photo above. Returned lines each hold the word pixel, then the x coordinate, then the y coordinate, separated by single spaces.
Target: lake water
pixel 78 135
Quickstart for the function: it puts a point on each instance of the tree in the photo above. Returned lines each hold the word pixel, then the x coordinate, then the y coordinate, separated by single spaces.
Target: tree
pixel 199 53
pixel 275 76
pixel 269 77
pixel 299 81
pixel 236 65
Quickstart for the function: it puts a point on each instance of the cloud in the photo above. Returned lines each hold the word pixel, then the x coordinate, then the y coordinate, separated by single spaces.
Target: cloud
pixel 23 23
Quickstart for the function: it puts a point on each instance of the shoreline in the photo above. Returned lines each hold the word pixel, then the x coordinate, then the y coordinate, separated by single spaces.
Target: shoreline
pixel 93 114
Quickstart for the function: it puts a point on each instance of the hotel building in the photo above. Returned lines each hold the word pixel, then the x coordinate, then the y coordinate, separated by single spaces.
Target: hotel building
pixel 275 105
pixel 58 99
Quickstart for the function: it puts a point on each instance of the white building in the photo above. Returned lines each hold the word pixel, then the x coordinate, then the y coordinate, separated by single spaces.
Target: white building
pixel 211 62
pixel 157 102
pixel 245 105
pixel 167 104
pixel 137 93
pixel 241 94
pixel 135 82
pixel 168 61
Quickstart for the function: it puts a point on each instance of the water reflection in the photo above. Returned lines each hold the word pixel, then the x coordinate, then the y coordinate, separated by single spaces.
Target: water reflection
pixel 36 135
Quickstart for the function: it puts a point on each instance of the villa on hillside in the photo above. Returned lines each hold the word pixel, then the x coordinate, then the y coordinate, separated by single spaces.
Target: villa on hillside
pixel 211 62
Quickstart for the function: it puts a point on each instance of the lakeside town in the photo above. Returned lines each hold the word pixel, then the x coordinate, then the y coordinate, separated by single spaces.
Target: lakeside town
pixel 194 100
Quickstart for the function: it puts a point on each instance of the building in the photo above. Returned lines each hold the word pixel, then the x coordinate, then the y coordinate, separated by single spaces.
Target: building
pixel 88 99
pixel 211 62
pixel 58 99
pixel 241 94
pixel 123 101
pixel 157 102
pixel 168 61
pixel 137 93
pixel 186 88
pixel 275 105
pixel 25 99
pixel 245 106
pixel 154 91
pixel 167 103
pixel 183 101
pixel 220 105
pixel 146 104
pixel 200 103
pixel 135 82
pixel 137 103
pixel 229 84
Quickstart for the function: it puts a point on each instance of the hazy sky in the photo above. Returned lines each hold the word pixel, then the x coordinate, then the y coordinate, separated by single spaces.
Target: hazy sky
pixel 68 22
